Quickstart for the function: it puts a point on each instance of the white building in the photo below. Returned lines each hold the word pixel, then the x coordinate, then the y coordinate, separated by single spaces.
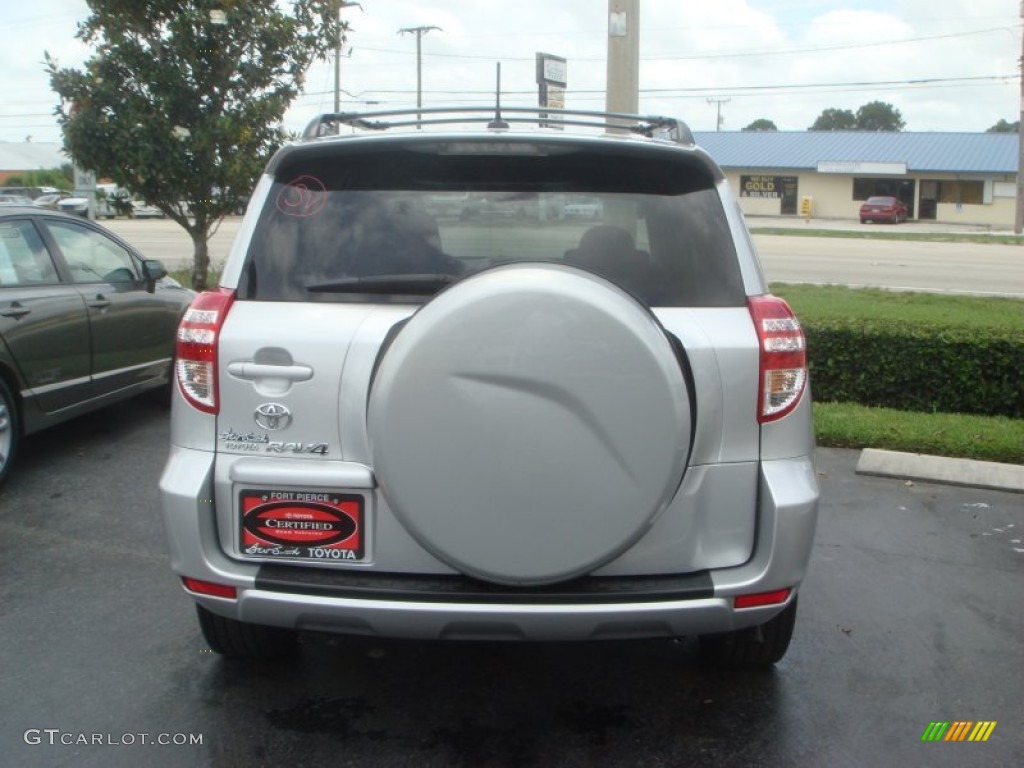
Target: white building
pixel 961 178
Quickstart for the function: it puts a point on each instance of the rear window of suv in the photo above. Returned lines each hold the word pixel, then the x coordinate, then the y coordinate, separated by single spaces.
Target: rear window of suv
pixel 397 222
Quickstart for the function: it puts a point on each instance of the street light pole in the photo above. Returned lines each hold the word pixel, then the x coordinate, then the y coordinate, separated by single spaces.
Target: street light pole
pixel 419 32
pixel 337 54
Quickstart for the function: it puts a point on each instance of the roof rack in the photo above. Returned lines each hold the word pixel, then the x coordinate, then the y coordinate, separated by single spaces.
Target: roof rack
pixel 652 126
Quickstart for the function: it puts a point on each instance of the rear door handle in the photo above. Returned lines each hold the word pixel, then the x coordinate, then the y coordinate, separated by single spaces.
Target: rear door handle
pixel 251 371
pixel 99 302
pixel 16 311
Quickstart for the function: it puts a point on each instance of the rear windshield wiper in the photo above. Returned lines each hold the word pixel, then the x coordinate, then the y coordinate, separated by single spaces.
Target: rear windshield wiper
pixel 418 284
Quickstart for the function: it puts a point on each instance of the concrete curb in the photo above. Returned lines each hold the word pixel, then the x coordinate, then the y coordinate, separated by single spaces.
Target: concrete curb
pixel 938 469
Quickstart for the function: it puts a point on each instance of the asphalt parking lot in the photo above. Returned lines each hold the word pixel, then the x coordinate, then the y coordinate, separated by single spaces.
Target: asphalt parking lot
pixel 910 615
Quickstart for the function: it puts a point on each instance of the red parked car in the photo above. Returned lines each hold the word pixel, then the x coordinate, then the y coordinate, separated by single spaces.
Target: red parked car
pixel 883 208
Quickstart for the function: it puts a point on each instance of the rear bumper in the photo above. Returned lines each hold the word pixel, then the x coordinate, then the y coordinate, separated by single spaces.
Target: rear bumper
pixel 408 607
pixel 484 621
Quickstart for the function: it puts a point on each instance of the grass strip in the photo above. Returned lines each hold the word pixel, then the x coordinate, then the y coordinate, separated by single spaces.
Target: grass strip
pixel 988 438
pixel 184 276
pixel 818 303
pixel 883 234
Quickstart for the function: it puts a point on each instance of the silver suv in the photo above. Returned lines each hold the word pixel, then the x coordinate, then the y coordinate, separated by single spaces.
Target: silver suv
pixel 397 418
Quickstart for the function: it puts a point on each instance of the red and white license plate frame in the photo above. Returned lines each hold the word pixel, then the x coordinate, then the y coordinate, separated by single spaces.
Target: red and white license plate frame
pixel 306 526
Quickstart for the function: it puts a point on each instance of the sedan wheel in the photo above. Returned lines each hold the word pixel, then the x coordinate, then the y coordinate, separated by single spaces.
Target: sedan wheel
pixel 8 430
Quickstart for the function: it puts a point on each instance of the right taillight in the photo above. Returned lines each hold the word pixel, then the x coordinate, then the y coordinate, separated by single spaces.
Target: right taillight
pixel 195 365
pixel 783 374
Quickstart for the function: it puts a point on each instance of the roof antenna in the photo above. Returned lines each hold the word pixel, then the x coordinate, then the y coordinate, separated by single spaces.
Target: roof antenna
pixel 497 122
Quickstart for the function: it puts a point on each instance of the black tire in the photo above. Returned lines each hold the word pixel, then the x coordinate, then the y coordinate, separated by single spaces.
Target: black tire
pixel 10 430
pixel 895 218
pixel 248 642
pixel 759 646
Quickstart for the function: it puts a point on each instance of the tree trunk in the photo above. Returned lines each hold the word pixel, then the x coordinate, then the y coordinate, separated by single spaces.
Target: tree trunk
pixel 200 256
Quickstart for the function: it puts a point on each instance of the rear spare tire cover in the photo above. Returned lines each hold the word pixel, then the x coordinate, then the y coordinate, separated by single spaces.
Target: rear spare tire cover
pixel 529 424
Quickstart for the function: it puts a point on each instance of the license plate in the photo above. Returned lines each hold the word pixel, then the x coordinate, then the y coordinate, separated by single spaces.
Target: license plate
pixel 298 525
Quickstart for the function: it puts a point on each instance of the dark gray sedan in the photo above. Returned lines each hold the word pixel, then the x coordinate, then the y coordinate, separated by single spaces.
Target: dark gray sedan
pixel 85 321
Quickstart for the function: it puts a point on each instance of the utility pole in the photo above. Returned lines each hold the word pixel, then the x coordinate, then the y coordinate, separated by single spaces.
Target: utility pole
pixel 623 88
pixel 419 32
pixel 1018 223
pixel 720 102
pixel 337 54
pixel 622 91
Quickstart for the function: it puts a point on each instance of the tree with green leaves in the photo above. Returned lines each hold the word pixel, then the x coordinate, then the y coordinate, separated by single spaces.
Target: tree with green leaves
pixel 835 120
pixel 51 177
pixel 879 116
pixel 873 116
pixel 1005 127
pixel 181 101
pixel 762 124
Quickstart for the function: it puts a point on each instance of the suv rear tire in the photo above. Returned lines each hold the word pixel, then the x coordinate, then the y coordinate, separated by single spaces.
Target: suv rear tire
pixel 240 640
pixel 759 646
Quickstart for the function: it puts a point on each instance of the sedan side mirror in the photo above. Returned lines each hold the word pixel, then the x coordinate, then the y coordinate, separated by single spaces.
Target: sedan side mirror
pixel 153 269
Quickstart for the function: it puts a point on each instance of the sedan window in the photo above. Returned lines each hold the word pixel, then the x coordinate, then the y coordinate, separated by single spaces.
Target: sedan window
pixel 91 256
pixel 23 258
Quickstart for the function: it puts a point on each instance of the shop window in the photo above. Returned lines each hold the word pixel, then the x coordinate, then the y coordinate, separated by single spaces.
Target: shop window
pixel 863 188
pixel 965 192
pixel 870 186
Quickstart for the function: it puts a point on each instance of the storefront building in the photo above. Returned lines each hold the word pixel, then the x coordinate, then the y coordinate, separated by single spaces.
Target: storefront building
pixel 957 178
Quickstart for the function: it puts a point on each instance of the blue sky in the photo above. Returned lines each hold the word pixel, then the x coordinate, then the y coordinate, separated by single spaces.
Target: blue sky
pixel 949 66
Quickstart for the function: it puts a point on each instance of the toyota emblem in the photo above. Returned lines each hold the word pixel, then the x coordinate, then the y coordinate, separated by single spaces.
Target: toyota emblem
pixel 273 416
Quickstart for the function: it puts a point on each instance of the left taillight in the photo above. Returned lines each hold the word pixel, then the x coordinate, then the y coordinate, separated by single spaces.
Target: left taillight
pixel 195 364
pixel 783 368
pixel 210 588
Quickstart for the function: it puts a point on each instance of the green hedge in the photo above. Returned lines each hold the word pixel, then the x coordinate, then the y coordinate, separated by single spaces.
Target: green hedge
pixel 913 351
pixel 917 366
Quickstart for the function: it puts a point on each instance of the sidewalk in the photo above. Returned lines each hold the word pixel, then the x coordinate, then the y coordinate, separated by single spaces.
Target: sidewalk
pixel 938 469
pixel 853 225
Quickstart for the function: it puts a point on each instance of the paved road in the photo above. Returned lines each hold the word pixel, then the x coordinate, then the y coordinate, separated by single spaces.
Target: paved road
pixel 910 614
pixel 163 239
pixel 996 270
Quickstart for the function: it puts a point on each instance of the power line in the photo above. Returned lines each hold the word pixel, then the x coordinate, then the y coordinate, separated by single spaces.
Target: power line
pixel 825 49
pixel 698 91
pixel 708 56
